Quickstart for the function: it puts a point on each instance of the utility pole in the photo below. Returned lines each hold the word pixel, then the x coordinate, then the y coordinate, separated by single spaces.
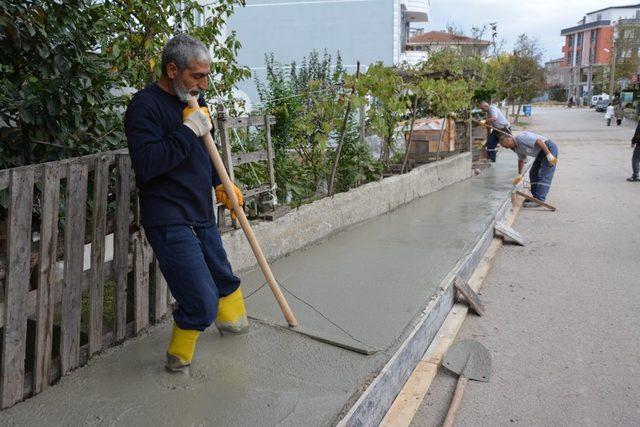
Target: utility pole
pixel 612 78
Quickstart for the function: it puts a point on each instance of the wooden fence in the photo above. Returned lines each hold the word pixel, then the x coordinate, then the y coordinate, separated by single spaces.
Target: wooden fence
pixel 56 311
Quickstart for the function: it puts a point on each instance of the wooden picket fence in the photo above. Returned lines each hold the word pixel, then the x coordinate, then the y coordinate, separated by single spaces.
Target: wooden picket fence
pixel 52 312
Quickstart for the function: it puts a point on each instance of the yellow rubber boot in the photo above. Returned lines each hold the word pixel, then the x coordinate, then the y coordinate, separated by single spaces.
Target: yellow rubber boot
pixel 232 316
pixel 181 349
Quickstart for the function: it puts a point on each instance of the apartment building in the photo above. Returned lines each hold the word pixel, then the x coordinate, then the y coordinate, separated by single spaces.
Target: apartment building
pixel 361 30
pixel 588 47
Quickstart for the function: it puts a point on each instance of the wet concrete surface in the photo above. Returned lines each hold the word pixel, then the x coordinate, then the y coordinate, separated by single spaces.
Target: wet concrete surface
pixel 372 280
pixel 362 287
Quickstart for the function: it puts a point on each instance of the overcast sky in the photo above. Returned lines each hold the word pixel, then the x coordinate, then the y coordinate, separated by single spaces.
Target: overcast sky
pixel 542 19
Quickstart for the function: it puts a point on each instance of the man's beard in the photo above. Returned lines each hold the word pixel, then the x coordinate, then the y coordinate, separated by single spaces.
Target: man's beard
pixel 182 92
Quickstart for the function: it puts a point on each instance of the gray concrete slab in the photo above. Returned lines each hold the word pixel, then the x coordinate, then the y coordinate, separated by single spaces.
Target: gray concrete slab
pixel 275 376
pixel 367 284
pixel 561 319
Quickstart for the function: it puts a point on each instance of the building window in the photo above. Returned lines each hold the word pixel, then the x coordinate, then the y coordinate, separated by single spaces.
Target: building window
pixel 638 14
pixel 599 17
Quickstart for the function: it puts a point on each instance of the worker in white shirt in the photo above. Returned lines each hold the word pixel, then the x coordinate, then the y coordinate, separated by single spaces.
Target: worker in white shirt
pixel 609 114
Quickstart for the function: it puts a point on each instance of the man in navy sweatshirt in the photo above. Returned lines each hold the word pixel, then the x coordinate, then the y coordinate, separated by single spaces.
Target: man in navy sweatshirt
pixel 175 176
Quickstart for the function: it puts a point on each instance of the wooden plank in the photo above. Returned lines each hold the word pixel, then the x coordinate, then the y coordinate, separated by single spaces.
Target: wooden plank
pixel 121 243
pixel 75 212
pixel 16 286
pixel 225 145
pixel 39 169
pixel 46 277
pixel 270 156
pixel 160 291
pixel 99 228
pixel 141 281
pixel 535 200
pixel 469 294
pixel 410 398
pixel 255 156
pixel 246 121
pixel 264 188
pixel 505 230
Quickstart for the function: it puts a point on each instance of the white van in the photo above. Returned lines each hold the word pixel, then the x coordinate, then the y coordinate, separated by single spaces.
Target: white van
pixel 596 98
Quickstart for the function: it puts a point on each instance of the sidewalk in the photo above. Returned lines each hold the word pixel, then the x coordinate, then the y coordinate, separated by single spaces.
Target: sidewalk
pixel 371 282
pixel 562 321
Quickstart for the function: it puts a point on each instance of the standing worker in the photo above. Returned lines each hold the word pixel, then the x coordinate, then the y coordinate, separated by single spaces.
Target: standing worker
pixel 635 159
pixel 496 120
pixel 541 173
pixel 618 112
pixel 174 176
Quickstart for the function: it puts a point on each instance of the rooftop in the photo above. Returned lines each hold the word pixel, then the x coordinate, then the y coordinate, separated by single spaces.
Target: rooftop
pixel 630 6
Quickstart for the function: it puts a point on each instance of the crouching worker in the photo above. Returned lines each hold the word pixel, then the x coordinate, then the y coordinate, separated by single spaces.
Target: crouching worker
pixel 541 173
pixel 174 176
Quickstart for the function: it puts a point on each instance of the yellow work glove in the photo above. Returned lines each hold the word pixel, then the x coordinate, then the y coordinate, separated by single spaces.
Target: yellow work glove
pixel 198 120
pixel 552 159
pixel 517 179
pixel 221 196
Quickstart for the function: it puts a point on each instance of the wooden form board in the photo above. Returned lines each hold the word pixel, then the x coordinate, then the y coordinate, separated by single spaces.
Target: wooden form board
pixel 410 398
pixel 470 295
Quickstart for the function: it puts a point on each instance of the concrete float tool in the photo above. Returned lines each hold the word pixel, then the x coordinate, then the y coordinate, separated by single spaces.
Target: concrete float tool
pixel 244 223
pixel 471 361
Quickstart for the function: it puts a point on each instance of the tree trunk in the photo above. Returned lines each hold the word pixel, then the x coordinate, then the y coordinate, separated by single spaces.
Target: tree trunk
pixel 518 113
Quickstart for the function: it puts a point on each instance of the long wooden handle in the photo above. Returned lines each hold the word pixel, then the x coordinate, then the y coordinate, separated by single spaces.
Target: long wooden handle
pixel 246 227
pixel 491 127
pixel 455 402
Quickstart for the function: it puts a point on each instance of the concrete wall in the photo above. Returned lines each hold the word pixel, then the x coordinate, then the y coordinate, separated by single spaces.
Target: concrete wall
pixel 319 219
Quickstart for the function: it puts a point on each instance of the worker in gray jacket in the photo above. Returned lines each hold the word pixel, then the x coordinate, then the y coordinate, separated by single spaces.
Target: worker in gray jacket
pixel 496 120
pixel 545 152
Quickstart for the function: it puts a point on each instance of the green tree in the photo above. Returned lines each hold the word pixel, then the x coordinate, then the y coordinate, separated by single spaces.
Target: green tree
pixel 56 89
pixel 388 106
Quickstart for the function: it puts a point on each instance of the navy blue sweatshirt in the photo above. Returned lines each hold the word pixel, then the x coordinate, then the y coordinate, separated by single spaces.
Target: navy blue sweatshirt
pixel 173 169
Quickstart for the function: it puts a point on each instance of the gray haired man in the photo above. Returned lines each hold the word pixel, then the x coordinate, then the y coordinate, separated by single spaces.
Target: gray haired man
pixel 174 176
pixel 498 121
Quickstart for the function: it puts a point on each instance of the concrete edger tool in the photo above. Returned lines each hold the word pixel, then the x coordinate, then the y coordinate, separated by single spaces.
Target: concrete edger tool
pixel 244 223
pixel 472 361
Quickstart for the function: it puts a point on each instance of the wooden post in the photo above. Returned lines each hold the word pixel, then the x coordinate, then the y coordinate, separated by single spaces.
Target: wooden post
pixel 223 128
pixel 345 122
pixel 141 258
pixel 16 285
pixel 362 122
pixel 270 157
pixel 246 227
pixel 121 244
pixel 46 276
pixel 408 143
pixel 75 214
pixel 99 228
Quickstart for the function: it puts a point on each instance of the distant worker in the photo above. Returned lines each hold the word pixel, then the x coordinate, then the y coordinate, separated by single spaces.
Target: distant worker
pixel 609 114
pixel 618 113
pixel 541 173
pixel 496 120
pixel 570 102
pixel 635 159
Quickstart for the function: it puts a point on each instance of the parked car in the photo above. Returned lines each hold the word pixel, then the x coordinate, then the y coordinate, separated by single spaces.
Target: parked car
pixel 601 105
pixel 596 98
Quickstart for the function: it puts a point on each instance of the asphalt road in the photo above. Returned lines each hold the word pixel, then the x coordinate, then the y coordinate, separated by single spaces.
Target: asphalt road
pixel 562 318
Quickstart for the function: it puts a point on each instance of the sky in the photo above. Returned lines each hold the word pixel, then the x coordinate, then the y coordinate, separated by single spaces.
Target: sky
pixel 541 19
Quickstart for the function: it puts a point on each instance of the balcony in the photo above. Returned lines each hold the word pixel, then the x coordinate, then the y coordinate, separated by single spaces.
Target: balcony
pixel 416 10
